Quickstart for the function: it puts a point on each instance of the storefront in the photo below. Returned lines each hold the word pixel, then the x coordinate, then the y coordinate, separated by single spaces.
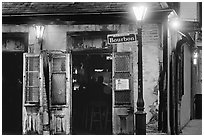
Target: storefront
pixel 78 81
pixel 85 89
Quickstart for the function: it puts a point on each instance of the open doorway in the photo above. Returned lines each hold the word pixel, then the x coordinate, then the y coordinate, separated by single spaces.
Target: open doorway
pixel 12 72
pixel 91 93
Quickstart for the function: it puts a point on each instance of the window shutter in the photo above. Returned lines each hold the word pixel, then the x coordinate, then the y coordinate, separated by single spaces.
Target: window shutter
pixel 32 93
pixel 122 93
pixel 122 77
pixel 60 90
pixel 58 79
pixel 32 78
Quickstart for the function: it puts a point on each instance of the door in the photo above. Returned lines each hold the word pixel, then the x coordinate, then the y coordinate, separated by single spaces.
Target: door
pixel 12 71
pixel 60 92
pixel 122 93
pixel 32 93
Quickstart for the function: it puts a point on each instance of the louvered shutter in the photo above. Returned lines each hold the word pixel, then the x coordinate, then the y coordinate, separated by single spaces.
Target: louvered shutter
pixel 32 78
pixel 122 79
pixel 58 79
pixel 60 92
pixel 32 93
pixel 122 93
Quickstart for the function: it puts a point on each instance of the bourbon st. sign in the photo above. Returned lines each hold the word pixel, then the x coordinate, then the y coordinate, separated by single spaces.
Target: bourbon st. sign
pixel 120 38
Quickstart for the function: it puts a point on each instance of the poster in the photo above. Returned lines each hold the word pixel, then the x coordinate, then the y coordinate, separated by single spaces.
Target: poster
pixel 122 84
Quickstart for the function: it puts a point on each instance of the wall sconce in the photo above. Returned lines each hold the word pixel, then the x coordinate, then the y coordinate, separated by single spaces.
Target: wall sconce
pixel 39 30
pixel 175 23
pixel 195 57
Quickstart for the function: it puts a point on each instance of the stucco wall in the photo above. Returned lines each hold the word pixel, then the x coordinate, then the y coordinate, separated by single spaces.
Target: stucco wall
pixel 186 98
pixel 151 67
pixel 55 38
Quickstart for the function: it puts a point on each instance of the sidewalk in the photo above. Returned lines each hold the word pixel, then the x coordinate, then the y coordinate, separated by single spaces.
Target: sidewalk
pixel 194 127
pixel 152 129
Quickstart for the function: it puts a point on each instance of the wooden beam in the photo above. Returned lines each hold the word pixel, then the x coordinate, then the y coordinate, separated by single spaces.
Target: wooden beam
pixel 156 16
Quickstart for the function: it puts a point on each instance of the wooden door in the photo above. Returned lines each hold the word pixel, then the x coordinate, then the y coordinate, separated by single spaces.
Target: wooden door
pixel 32 94
pixel 122 93
pixel 60 93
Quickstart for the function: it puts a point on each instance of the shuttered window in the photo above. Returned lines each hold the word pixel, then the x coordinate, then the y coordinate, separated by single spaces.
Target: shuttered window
pixel 32 78
pixel 122 79
pixel 58 79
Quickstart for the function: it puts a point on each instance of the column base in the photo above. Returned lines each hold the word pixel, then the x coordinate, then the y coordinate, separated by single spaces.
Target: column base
pixel 140 122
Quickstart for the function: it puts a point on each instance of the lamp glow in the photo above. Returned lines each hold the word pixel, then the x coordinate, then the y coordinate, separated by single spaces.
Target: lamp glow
pixel 175 24
pixel 195 57
pixel 195 61
pixel 140 12
pixel 39 31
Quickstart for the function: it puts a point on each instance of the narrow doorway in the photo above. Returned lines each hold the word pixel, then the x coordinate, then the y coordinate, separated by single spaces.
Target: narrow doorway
pixel 12 72
pixel 91 93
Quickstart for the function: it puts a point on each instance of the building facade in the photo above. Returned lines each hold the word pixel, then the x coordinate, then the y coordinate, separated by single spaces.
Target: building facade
pixel 55 87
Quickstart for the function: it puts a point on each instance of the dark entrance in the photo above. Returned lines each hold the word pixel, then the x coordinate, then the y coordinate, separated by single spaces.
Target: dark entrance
pixel 91 93
pixel 12 77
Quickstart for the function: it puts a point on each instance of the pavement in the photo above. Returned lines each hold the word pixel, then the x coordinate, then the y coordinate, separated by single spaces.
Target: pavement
pixel 194 127
pixel 152 129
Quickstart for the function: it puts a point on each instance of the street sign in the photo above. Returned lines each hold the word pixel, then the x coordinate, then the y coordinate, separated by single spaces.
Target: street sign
pixel 121 38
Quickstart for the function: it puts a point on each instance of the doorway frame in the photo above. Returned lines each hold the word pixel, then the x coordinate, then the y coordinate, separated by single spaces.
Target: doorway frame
pixel 70 48
pixel 85 52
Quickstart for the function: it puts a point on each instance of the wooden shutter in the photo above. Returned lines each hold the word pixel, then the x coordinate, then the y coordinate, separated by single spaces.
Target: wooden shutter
pixel 32 93
pixel 60 91
pixel 32 79
pixel 122 93
pixel 122 79
pixel 58 79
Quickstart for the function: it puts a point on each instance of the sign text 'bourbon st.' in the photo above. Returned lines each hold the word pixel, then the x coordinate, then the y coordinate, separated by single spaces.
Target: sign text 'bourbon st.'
pixel 120 38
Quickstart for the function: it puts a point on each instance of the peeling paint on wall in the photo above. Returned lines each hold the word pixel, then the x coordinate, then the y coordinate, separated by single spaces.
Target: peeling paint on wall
pixel 55 38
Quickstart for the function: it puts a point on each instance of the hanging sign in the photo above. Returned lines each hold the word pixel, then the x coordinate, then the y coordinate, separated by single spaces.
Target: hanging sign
pixel 121 38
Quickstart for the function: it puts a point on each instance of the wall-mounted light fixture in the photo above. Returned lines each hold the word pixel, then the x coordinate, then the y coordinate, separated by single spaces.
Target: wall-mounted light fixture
pixel 175 23
pixel 39 30
pixel 195 57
